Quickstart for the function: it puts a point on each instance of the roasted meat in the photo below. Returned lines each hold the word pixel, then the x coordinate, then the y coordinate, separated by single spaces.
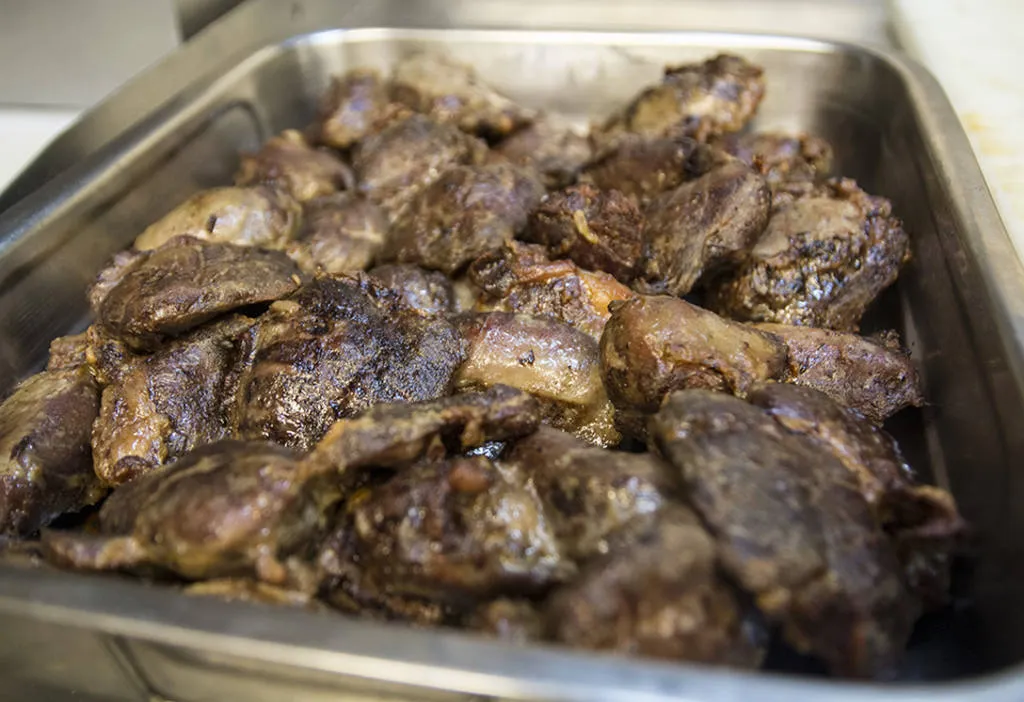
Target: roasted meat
pixel 871 375
pixel 520 278
pixel 782 158
pixel 554 362
pixel 589 493
pixel 449 91
pixel 162 405
pixel 394 164
pixel 700 100
pixel 599 230
pixel 287 162
pixel 196 519
pixel 922 519
pixel 429 292
pixel 551 147
pixel 46 467
pixel 821 261
pixel 340 233
pixel 187 282
pixel 250 590
pixel 792 529
pixel 704 225
pixel 656 593
pixel 332 350
pixel 68 351
pixel 257 216
pixel 642 168
pixel 468 211
pixel 356 106
pixel 654 345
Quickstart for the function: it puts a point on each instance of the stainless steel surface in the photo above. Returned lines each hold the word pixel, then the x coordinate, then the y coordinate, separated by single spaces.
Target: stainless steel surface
pixel 959 304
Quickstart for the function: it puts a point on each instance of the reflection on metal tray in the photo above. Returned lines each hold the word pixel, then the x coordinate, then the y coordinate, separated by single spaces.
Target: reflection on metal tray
pixel 958 304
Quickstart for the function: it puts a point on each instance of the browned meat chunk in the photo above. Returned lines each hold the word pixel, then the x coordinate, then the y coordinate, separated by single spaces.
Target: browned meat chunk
pixel 468 211
pixel 69 351
pixel 782 158
pixel 703 226
pixel 248 590
pixel 258 216
pixel 46 467
pixel 397 435
pixel 355 106
pixel 393 165
pixel 340 233
pixel 551 147
pixel 195 518
pixel 453 531
pixel 820 262
pixel 873 376
pixel 161 406
pixel 449 91
pixel 516 621
pixel 792 529
pixel 589 493
pixel 656 593
pixel 922 519
pixel 642 168
pixel 654 345
pixel 599 230
pixel 332 350
pixel 557 364
pixel 288 163
pixel 700 100
pixel 520 278
pixel 187 282
pixel 429 292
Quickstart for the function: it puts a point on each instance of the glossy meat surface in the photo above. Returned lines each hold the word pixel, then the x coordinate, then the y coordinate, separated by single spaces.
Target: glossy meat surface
pixel 340 233
pixel 45 459
pixel 782 158
pixel 467 212
pixel 823 258
pixel 187 282
pixel 598 230
pixel 356 105
pixel 641 168
pixel 550 147
pixel 288 163
pixel 429 292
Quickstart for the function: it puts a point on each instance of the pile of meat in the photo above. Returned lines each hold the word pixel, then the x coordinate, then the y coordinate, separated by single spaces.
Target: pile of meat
pixel 443 359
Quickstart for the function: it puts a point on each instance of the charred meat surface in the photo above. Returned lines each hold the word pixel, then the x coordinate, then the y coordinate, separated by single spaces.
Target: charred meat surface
pixel 356 105
pixel 429 292
pixel 257 216
pixel 46 467
pixel 922 519
pixel 521 278
pixel 451 92
pixel 551 148
pixel 700 100
pixel 821 261
pixel 654 345
pixel 703 226
pixel 782 158
pixel 394 164
pixel 599 230
pixel 468 211
pixel 642 168
pixel 589 493
pixel 398 435
pixel 332 350
pixel 162 405
pixel 554 362
pixel 873 376
pixel 656 593
pixel 187 282
pixel 792 529
pixel 195 518
pixel 340 233
pixel 287 162
pixel 454 531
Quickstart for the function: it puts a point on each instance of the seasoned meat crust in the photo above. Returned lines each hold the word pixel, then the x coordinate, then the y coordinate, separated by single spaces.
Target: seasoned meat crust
pixel 429 292
pixel 287 162
pixel 356 106
pixel 822 259
pixel 782 158
pixel 642 168
pixel 340 233
pixel 550 147
pixel 187 282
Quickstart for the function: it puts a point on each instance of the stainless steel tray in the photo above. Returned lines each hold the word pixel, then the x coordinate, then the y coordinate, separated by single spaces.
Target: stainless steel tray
pixel 959 305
